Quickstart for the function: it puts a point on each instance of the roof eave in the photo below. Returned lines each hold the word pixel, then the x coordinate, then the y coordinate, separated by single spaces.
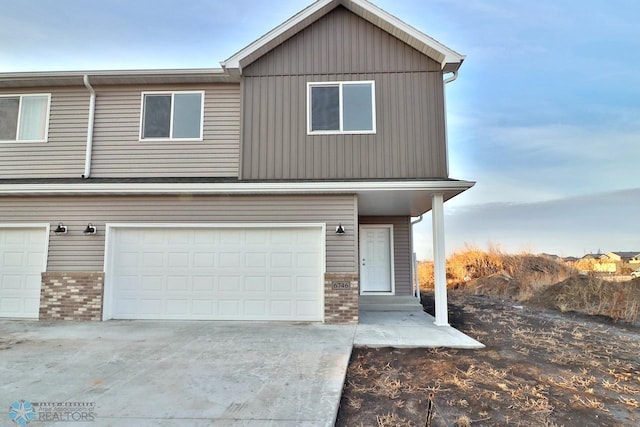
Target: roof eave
pixel 115 77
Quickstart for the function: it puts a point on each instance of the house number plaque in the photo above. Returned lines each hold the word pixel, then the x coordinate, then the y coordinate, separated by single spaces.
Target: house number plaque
pixel 339 286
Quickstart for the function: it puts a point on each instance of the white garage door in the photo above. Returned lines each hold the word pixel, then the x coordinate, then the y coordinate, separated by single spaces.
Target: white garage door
pixel 23 255
pixel 215 273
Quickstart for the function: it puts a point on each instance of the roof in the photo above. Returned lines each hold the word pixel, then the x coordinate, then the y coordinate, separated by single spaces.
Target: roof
pixel 626 254
pixel 449 59
pixel 114 77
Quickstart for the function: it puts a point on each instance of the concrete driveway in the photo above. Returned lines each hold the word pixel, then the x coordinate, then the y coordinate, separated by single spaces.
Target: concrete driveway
pixel 151 373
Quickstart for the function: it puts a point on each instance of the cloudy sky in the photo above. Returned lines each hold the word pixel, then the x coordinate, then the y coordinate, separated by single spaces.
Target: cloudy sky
pixel 545 115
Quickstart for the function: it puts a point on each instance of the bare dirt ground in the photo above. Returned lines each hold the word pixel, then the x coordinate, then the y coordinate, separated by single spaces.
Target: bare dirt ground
pixel 539 368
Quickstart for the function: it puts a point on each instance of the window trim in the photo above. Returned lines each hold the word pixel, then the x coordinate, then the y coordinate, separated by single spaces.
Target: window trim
pixel 172 93
pixel 46 122
pixel 340 85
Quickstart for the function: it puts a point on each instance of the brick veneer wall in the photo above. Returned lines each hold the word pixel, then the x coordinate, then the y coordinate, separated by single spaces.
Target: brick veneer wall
pixel 71 296
pixel 341 305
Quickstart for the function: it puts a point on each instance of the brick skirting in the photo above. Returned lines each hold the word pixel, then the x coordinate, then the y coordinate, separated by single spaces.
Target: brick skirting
pixel 71 296
pixel 341 293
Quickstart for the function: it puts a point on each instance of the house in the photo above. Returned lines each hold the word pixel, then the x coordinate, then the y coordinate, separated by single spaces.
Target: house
pixel 621 256
pixel 278 187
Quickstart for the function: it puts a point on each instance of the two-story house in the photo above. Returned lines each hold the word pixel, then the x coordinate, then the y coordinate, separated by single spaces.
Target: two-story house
pixel 278 187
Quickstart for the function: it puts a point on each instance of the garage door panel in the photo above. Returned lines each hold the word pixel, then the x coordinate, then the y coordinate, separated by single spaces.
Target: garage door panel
pixel 202 308
pixel 281 308
pixel 255 284
pixel 255 260
pixel 204 260
pixel 230 308
pixel 22 260
pixel 256 237
pixel 281 260
pixel 280 284
pixel 231 260
pixel 203 283
pixel 224 273
pixel 178 307
pixel 152 283
pixel 178 283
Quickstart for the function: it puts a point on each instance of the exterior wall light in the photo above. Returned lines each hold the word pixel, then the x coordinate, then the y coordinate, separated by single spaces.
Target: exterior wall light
pixel 340 229
pixel 91 229
pixel 60 229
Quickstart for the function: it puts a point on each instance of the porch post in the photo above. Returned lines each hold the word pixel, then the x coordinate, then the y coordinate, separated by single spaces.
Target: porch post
pixel 439 263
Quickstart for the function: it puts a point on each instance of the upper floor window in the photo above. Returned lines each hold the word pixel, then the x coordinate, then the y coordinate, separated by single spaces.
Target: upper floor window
pixel 172 115
pixel 24 118
pixel 341 107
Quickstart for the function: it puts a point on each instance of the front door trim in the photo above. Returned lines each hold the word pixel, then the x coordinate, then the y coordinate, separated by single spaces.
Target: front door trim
pixel 391 258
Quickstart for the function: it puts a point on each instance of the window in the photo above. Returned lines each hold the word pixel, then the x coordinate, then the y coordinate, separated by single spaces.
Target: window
pixel 24 118
pixel 341 107
pixel 171 115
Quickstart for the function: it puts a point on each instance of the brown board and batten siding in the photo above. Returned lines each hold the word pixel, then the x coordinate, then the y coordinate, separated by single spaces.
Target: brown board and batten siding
pixel 119 153
pixel 410 137
pixel 76 251
pixel 401 248
pixel 62 156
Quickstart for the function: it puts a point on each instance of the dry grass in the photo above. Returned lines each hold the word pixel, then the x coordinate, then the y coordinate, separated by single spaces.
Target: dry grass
pixel 536 279
pixel 539 368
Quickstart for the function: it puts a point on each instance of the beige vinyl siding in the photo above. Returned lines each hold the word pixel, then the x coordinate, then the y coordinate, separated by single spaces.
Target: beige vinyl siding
pixel 410 137
pixel 119 153
pixel 401 248
pixel 78 252
pixel 62 156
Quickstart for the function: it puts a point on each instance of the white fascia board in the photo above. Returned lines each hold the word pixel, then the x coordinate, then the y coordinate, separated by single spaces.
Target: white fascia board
pixel 343 187
pixel 356 6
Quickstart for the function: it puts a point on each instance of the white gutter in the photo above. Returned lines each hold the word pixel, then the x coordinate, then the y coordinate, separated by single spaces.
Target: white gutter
pixel 414 269
pixel 92 111
pixel 316 187
pixel 446 128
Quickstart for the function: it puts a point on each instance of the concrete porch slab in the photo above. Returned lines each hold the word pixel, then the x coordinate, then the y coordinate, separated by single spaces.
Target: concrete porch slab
pixel 407 329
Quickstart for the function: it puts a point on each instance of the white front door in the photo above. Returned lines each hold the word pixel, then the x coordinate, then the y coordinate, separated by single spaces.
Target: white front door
pixel 23 258
pixel 376 259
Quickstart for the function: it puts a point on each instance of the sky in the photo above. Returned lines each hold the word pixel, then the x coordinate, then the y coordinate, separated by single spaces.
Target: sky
pixel 544 116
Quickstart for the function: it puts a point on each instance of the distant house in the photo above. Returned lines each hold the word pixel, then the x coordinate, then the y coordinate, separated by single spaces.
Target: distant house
pixel 622 256
pixel 591 256
pixel 570 259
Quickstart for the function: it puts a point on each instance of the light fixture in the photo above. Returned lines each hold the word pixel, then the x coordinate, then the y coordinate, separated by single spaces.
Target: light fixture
pixel 91 229
pixel 60 229
pixel 340 229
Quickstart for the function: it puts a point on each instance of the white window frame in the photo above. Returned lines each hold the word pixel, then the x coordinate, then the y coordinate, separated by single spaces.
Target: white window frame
pixel 172 93
pixel 46 124
pixel 340 131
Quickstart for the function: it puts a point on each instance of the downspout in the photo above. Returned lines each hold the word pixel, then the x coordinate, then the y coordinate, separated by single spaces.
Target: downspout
pixel 92 111
pixel 414 267
pixel 446 129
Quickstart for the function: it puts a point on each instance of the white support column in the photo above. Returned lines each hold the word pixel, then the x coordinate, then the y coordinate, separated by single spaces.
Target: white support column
pixel 439 260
